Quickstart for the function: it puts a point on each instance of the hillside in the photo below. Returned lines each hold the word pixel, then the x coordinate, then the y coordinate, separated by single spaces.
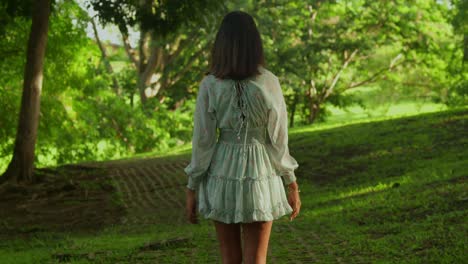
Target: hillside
pixel 391 191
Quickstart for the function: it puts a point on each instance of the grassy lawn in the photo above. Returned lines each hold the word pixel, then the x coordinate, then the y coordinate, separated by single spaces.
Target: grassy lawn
pixel 380 191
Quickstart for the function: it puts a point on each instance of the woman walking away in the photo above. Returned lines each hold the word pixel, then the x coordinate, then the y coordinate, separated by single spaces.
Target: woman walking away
pixel 238 179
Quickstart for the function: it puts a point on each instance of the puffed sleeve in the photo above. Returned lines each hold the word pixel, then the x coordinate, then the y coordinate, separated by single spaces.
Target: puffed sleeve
pixel 284 163
pixel 204 136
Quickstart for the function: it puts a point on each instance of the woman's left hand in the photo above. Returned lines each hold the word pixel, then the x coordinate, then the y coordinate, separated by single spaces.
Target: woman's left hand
pixel 191 206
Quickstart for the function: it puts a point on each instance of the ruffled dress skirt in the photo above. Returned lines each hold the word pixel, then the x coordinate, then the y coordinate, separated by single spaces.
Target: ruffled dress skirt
pixel 241 184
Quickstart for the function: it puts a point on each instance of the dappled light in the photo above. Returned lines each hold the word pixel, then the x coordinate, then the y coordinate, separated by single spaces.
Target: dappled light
pixel 108 112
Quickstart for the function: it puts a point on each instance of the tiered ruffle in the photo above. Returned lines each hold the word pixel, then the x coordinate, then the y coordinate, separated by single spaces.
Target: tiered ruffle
pixel 231 193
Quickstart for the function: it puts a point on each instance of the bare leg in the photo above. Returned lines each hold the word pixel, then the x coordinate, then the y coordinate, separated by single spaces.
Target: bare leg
pixel 256 236
pixel 229 237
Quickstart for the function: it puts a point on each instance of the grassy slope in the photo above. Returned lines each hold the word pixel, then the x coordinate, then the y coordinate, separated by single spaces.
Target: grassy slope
pixel 391 191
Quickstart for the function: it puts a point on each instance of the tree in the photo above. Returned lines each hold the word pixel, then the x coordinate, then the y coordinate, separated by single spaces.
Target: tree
pixel 460 23
pixel 326 48
pixel 21 167
pixel 161 41
pixel 105 59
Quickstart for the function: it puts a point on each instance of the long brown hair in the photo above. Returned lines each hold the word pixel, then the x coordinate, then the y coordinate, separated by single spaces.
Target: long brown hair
pixel 237 51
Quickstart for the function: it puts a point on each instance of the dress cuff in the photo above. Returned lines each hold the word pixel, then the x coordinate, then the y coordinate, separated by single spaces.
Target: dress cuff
pixel 192 184
pixel 289 178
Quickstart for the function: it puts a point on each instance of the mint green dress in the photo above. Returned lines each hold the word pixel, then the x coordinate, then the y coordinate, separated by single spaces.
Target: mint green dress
pixel 240 160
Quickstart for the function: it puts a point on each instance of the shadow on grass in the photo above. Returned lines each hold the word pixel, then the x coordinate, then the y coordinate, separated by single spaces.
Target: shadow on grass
pixel 360 153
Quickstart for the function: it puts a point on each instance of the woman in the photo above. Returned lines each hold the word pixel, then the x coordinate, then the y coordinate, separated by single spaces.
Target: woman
pixel 238 179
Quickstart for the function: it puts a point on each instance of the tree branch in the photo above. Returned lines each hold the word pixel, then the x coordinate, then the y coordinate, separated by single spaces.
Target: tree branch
pixel 129 50
pixel 371 78
pixel 329 90
pixel 142 47
pixel 105 59
pixel 187 66
pixel 181 46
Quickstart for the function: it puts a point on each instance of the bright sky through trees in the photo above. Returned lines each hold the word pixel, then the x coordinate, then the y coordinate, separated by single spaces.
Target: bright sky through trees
pixel 109 32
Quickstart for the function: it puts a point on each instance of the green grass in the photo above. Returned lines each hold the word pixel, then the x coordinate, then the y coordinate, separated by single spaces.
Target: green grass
pixel 386 191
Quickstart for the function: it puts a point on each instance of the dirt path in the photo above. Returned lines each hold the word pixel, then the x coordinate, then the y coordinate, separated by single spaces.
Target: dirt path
pixel 152 190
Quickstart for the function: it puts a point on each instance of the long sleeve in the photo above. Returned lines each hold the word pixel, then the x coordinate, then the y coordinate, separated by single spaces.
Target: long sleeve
pixel 204 137
pixel 284 163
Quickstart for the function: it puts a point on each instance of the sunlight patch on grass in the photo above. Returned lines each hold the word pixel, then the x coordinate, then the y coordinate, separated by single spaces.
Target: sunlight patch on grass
pixel 379 187
pixel 323 211
pixel 358 115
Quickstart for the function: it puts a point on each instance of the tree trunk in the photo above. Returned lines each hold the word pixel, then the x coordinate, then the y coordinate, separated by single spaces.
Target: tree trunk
pixel 293 110
pixel 141 84
pixel 314 111
pixel 22 164
pixel 109 69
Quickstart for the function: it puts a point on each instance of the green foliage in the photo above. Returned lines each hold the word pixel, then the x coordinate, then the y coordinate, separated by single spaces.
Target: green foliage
pixel 11 9
pixel 406 51
pixel 458 92
pixel 404 47
pixel 81 118
pixel 460 16
pixel 161 17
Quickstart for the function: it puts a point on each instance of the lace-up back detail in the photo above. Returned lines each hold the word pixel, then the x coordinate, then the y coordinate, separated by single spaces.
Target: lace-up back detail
pixel 238 174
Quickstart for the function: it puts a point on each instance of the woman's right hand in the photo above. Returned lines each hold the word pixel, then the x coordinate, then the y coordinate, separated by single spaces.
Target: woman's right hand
pixel 191 206
pixel 293 199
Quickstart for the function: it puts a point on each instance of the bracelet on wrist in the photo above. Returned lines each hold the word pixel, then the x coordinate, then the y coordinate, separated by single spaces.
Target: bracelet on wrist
pixel 290 189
